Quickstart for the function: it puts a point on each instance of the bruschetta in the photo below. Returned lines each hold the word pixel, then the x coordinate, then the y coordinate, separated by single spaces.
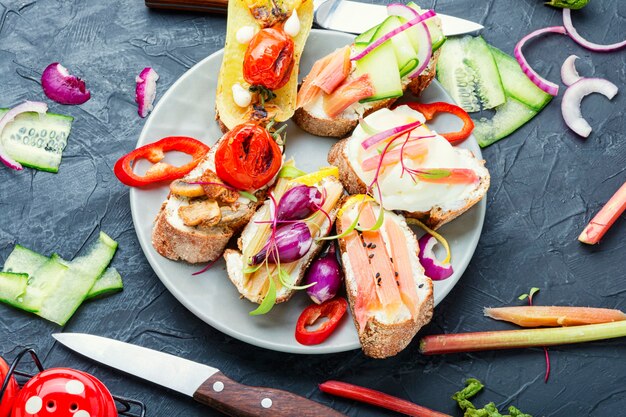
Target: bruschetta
pixel 259 73
pixel 347 85
pixel 416 172
pixel 262 254
pixel 218 197
pixel 390 297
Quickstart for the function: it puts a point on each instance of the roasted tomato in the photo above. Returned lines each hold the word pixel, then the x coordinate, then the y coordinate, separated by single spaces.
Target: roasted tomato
pixel 248 157
pixel 6 402
pixel 269 58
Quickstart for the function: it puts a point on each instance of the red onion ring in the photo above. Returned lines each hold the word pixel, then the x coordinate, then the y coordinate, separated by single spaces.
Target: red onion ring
pixel 433 268
pixel 570 105
pixel 387 36
pixel 573 33
pixel 61 86
pixel 547 86
pixel 569 75
pixel 28 106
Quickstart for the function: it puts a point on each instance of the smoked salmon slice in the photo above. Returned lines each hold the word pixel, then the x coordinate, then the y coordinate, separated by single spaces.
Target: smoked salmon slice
pixel 347 94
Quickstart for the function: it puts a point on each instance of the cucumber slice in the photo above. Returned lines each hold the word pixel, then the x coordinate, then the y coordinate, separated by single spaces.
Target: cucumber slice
pixel 516 84
pixel 402 46
pixel 12 288
pixel 37 141
pixel 380 65
pixel 366 37
pixel 468 71
pixel 508 118
pixel 24 260
pixel 61 303
pixel 109 282
pixel 436 35
pixel 42 282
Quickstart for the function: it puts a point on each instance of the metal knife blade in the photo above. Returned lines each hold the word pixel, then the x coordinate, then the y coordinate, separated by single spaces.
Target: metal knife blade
pixel 205 384
pixel 167 370
pixel 355 17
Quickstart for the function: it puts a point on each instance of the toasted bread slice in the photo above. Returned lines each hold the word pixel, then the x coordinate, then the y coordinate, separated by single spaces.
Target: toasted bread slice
pixel 313 119
pixel 258 15
pixel 434 210
pixel 384 330
pixel 206 241
pixel 253 286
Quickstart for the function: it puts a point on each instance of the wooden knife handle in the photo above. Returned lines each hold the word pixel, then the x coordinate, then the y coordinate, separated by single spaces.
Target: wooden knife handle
pixel 211 6
pixel 235 399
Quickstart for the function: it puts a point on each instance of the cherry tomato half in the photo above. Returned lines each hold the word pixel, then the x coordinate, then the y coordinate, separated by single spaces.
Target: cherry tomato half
pixel 6 402
pixel 248 157
pixel 269 58
pixel 64 392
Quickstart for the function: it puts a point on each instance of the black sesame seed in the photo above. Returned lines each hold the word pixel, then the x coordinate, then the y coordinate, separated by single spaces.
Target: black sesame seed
pixel 391 259
pixel 397 273
pixel 421 286
pixel 377 274
pixel 373 245
pixel 371 255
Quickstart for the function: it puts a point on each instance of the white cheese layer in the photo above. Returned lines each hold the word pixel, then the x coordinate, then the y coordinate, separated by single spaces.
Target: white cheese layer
pixel 399 191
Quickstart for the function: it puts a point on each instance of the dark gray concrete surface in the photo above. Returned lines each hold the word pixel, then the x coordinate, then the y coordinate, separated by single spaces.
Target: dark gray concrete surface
pixel 546 185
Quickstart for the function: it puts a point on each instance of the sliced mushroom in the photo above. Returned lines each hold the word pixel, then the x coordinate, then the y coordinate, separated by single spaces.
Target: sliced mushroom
pixel 215 190
pixel 186 189
pixel 202 212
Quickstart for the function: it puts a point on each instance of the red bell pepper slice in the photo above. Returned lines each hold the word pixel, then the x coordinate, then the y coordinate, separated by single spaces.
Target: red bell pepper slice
pixel 333 309
pixel 429 110
pixel 155 152
pixel 377 398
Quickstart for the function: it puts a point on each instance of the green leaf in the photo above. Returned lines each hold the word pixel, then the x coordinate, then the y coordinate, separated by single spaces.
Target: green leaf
pixel 268 301
pixel 522 297
pixel 289 171
pixel 532 292
pixel 248 195
pixel 472 387
pixel 514 412
pixel 251 269
pixel 346 232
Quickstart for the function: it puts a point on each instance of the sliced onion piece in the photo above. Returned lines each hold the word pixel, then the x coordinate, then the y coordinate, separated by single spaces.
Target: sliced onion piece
pixel 401 10
pixel 379 137
pixel 569 75
pixel 570 105
pixel 28 106
pixel 573 33
pixel 433 268
pixel 61 86
pixel 387 36
pixel 547 86
pixel 145 92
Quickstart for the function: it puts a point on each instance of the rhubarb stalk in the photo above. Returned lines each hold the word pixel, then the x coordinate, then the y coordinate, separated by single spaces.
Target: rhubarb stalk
pixel 605 218
pixel 509 339
pixel 554 316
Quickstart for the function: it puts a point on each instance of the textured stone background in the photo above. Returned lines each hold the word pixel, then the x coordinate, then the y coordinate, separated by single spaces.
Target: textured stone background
pixel 546 184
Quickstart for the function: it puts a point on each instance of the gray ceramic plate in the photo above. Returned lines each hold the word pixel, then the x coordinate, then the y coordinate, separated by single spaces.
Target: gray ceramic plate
pixel 188 109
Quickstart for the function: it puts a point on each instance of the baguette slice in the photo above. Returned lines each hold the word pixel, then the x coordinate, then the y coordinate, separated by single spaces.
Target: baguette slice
pixel 347 155
pixel 312 118
pixel 173 239
pixel 236 260
pixel 240 14
pixel 383 334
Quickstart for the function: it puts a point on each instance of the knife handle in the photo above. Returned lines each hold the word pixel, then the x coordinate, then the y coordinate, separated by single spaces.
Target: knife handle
pixel 211 6
pixel 235 399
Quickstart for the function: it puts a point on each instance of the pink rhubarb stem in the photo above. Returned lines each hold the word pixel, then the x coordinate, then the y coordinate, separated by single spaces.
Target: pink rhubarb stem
pixel 605 218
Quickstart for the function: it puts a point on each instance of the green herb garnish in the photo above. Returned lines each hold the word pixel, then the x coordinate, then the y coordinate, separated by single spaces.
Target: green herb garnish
pixel 473 387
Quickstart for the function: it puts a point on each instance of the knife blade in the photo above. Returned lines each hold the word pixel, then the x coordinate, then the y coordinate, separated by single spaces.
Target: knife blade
pixel 204 383
pixel 355 17
pixel 341 15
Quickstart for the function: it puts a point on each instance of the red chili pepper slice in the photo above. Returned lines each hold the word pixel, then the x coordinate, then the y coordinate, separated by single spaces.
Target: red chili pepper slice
pixel 377 398
pixel 155 152
pixel 429 110
pixel 332 309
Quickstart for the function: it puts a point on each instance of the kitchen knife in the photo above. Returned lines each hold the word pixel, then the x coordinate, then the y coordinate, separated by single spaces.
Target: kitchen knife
pixel 204 383
pixel 342 15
